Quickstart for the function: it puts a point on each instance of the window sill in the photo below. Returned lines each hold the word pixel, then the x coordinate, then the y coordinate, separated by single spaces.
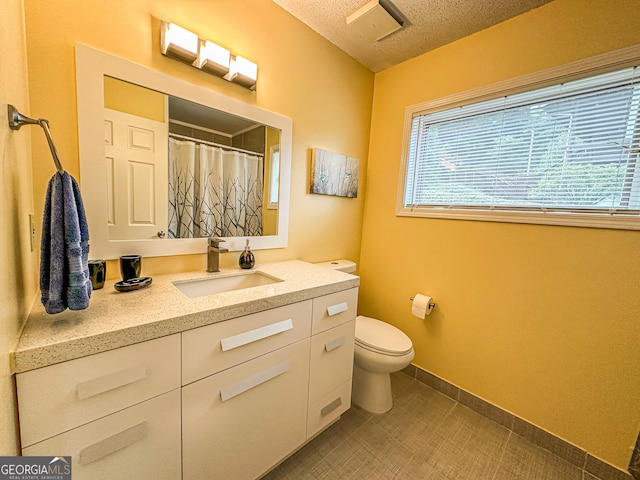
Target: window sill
pixel 616 221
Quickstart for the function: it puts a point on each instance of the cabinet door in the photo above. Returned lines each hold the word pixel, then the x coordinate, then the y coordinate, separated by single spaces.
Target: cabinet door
pixel 328 408
pixel 139 442
pixel 334 309
pixel 331 359
pixel 211 349
pixel 60 397
pixel 239 423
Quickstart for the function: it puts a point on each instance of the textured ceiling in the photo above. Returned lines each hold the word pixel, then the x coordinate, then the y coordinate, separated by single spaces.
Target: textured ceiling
pixel 429 24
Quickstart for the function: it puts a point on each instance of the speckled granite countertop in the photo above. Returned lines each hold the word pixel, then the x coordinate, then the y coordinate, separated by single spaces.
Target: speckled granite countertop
pixel 116 319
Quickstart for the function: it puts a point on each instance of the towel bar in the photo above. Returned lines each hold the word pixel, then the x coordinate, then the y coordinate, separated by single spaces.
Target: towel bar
pixel 17 120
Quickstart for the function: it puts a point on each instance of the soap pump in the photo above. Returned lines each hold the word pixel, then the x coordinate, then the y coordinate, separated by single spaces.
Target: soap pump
pixel 247 259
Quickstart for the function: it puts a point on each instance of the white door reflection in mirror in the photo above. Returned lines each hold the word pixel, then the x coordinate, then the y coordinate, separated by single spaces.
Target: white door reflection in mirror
pixel 136 174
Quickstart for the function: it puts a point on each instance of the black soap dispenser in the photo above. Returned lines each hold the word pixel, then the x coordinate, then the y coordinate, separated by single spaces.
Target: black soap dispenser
pixel 247 259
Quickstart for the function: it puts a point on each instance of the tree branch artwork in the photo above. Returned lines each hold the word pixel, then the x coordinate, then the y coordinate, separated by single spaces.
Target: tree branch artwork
pixel 334 174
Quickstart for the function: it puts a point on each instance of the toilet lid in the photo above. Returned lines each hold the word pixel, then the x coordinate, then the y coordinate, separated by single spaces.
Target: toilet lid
pixel 380 336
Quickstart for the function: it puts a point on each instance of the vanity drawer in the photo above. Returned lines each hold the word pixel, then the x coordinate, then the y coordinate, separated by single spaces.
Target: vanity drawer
pixel 324 411
pixel 334 309
pixel 60 397
pixel 211 349
pixel 331 359
pixel 142 441
pixel 239 423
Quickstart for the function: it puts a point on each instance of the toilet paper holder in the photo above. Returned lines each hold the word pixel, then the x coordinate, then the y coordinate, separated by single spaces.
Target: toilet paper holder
pixel 431 304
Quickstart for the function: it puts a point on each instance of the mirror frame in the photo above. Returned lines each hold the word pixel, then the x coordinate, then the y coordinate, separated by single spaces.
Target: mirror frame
pixel 91 67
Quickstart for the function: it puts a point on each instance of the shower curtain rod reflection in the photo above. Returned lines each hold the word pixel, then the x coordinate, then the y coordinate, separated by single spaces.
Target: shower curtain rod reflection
pixel 213 144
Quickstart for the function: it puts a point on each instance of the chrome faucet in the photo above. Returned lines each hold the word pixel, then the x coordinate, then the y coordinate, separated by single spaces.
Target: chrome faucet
pixel 213 254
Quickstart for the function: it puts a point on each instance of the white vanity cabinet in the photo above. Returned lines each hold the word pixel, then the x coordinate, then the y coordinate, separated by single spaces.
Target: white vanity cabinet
pixel 250 412
pixel 239 423
pixel 228 400
pixel 142 441
pixel 117 413
pixel 271 385
pixel 214 348
pixel 331 359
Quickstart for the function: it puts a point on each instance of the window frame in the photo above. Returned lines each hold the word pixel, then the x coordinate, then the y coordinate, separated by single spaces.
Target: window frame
pixel 274 177
pixel 618 59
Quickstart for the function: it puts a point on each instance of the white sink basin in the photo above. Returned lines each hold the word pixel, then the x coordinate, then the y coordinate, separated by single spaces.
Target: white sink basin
pixel 199 287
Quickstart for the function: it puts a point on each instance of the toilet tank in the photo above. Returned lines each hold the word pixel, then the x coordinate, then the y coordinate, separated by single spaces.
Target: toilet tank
pixel 346 266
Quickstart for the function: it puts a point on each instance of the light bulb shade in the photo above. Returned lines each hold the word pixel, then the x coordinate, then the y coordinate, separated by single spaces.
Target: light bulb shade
pixel 178 42
pixel 243 72
pixel 213 58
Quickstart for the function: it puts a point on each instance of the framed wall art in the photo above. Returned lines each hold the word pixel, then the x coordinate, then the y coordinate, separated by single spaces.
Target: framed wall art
pixel 334 174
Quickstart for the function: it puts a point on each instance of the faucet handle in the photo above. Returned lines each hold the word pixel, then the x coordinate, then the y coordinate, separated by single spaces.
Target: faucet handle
pixel 215 242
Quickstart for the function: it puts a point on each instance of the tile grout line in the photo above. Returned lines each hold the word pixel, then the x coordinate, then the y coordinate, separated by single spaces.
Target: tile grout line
pixel 504 451
pixel 449 411
pixel 352 434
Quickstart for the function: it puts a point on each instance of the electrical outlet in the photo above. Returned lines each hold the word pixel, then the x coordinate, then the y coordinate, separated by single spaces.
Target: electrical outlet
pixel 32 232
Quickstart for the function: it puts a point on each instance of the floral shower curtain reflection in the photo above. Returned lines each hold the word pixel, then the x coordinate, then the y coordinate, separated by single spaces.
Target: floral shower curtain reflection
pixel 213 192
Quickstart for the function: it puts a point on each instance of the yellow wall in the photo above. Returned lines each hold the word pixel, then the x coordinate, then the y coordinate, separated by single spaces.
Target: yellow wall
pixel 540 320
pixel 133 99
pixel 17 262
pixel 329 100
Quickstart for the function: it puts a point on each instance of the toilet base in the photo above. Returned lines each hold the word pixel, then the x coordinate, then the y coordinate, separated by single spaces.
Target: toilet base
pixel 371 390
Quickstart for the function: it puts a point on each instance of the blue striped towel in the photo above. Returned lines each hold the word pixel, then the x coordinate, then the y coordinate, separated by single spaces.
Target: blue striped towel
pixel 64 268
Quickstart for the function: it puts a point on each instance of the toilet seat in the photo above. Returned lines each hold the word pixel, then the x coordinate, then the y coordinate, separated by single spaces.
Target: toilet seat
pixel 380 337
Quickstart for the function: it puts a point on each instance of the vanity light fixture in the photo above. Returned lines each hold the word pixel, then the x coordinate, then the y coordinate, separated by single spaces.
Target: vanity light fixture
pixel 213 58
pixel 243 72
pixel 178 42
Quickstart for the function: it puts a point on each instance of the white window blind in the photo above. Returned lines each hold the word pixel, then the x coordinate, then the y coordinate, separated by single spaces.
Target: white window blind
pixel 571 148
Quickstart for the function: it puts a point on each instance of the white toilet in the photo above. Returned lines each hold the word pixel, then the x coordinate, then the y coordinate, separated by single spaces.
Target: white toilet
pixel 380 349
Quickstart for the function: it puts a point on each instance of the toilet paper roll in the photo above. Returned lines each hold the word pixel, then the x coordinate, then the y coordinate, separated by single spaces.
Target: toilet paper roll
pixel 422 305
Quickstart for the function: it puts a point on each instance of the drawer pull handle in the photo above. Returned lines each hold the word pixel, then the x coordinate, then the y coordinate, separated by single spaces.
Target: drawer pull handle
pixel 111 381
pixel 254 380
pixel 336 309
pixel 331 407
pixel 333 344
pixel 112 444
pixel 244 338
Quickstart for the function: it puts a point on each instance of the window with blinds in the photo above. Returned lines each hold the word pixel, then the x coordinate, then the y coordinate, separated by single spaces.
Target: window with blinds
pixel 562 151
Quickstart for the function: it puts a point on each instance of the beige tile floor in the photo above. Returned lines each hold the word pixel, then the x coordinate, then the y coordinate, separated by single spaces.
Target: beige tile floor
pixel 426 435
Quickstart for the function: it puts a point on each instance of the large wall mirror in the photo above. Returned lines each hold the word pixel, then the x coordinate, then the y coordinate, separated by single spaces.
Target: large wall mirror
pixel 164 164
